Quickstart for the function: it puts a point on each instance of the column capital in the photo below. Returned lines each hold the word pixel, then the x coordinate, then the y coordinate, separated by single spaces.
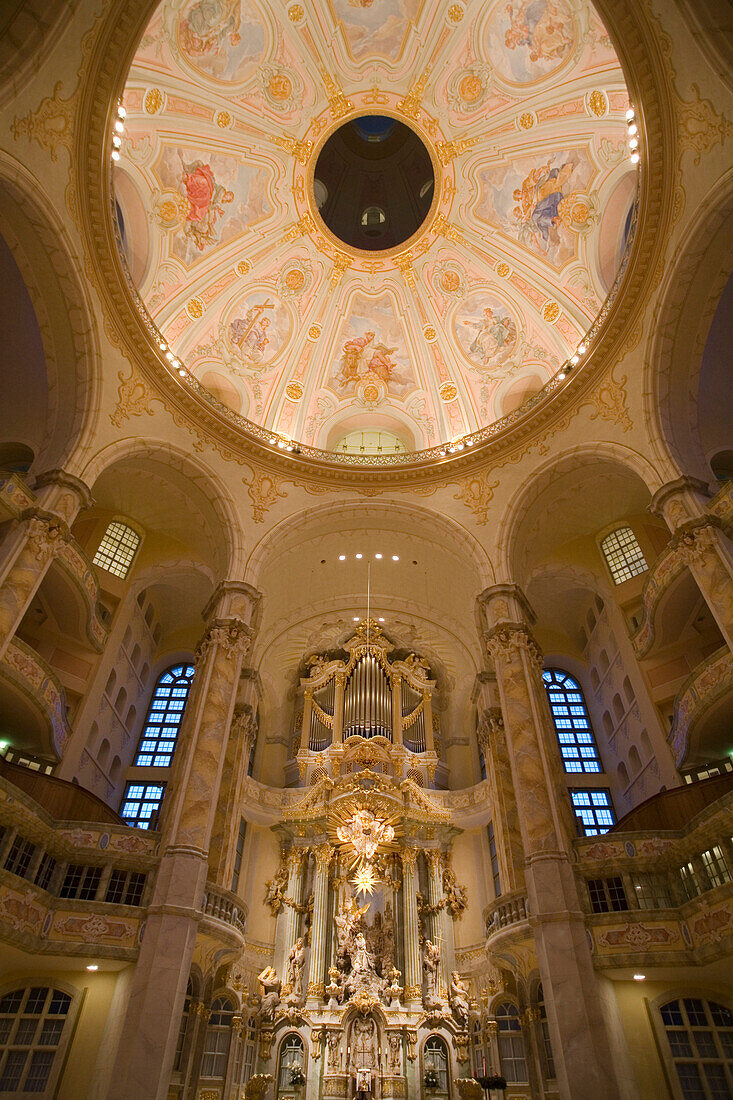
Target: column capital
pixel 235 600
pixel 680 500
pixel 508 640
pixel 323 855
pixel 47 533
pixel 408 857
pixel 233 636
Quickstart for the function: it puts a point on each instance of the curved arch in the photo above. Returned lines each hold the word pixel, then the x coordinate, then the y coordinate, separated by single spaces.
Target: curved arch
pixel 316 516
pixel 687 303
pixel 212 490
pixel 48 265
pixel 628 464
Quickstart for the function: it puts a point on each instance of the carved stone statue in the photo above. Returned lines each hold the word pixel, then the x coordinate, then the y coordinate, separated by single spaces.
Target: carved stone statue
pixel 296 963
pixel 395 1053
pixel 275 890
pixel 333 1039
pixel 456 896
pixel 270 996
pixel 431 965
pixel 458 995
pixel 393 989
pixel 334 991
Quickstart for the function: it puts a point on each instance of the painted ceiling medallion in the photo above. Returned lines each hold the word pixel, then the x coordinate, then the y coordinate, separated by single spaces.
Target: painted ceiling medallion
pixel 512 187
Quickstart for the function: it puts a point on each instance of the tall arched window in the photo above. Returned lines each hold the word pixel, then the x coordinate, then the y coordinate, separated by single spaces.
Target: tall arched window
pixel 117 549
pixel 511 1043
pixel 32 1032
pixel 292 1054
pixel 158 740
pixel 624 556
pixel 700 1036
pixel 572 724
pixel 435 1057
pixel 218 1039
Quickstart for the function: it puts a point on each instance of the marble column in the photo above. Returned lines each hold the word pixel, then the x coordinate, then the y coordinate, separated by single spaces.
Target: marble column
pixel 440 920
pixel 700 541
pixel 288 925
pixel 33 541
pixel 585 1065
pixel 413 962
pixel 492 739
pixel 316 966
pixel 148 1040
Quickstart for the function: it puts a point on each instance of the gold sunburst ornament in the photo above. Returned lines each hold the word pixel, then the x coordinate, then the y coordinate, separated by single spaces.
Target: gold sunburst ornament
pixel 365 879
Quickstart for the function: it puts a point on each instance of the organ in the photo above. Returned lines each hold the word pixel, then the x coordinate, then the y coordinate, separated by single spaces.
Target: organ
pixel 367 707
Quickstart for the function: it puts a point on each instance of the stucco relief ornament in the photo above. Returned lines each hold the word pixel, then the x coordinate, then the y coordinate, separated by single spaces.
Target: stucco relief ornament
pixel 695 543
pixel 231 635
pixel 46 537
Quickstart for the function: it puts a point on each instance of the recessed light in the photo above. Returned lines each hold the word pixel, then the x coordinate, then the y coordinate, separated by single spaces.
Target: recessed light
pixel 92 966
pixel 629 114
pixel 633 129
pixel 120 126
pixel 395 557
pixel 356 618
pixel 639 977
pixel 115 154
pixel 360 555
pixel 378 556
pixel 381 619
pixel 634 158
pixel 121 111
pixel 561 374
pixel 342 557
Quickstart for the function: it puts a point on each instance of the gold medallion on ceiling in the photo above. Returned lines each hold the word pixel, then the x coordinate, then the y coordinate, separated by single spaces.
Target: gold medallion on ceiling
pixel 294 390
pixel 448 391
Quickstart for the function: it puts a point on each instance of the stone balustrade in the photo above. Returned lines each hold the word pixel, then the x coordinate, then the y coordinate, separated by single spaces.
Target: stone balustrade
pixel 505 912
pixel 225 907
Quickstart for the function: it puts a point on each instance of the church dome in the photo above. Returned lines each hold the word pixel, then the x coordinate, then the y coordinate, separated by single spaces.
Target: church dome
pixel 341 222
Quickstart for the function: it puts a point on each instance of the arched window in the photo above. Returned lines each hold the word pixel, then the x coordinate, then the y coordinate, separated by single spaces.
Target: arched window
pixel 595 810
pixel 183 1029
pixel 158 740
pixel 218 1038
pixel 435 1057
pixel 511 1043
pixel 117 549
pixel 292 1055
pixel 572 724
pixel 623 555
pixel 548 1062
pixel 32 1024
pixel 700 1036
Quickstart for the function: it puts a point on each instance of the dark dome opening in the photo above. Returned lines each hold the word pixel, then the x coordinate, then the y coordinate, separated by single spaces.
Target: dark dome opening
pixel 379 182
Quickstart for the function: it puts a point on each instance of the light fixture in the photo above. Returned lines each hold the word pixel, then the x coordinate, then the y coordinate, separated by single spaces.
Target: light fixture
pixel 169 356
pixel 360 556
pixel 581 349
pixel 121 112
pixel 381 618
pixel 281 443
pixel 115 154
pixel 575 359
pixel 342 557
pixel 561 374
pixel 356 618
pixel 120 126
pixel 395 557
pixel 630 114
pixel 639 977
pixel 459 446
pixel 470 442
pixel 273 441
pixel 633 128
pixel 182 371
pixel 634 158
pixel 92 967
pixel 116 140
pixel 634 143
pixel 378 556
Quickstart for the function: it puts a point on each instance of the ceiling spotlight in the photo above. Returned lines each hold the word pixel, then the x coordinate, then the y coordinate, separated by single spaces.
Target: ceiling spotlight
pixel 170 356
pixel 116 140
pixel 443 452
pixel 395 557
pixel 459 446
pixel 115 154
pixel 561 374
pixel 634 158
pixel 120 126
pixel 182 371
pixel 121 112
pixel 581 349
pixel 288 446
pixel 575 359
pixel 342 557
pixel 378 556
pixel 639 977
pixel 634 143
pixel 273 441
pixel 633 128
pixel 281 444
pixel 381 618
pixel 629 114
pixel 356 618
pixel 92 967
pixel 360 556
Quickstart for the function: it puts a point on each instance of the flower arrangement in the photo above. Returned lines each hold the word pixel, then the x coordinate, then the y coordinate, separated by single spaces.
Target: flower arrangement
pixel 297 1077
pixel 492 1081
pixel 431 1079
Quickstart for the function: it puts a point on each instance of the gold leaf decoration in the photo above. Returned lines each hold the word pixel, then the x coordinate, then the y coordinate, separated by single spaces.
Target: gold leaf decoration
pixel 264 490
pixel 477 494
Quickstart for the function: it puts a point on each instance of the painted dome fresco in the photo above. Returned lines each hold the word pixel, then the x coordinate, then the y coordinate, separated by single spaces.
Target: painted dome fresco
pixel 375 224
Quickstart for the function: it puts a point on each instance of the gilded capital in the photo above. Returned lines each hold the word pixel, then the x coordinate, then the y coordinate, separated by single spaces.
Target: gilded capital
pixel 323 854
pixel 409 858
pixel 232 636
pixel 508 641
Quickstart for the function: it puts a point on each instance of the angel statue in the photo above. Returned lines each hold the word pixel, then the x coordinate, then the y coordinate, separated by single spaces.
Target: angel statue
pixel 458 995
pixel 270 996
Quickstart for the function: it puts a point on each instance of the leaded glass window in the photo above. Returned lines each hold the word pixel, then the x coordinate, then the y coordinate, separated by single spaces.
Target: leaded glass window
pixel 623 555
pixel 511 1043
pixel 700 1036
pixel 572 724
pixel 595 810
pixel 141 804
pixel 117 549
pixel 32 1022
pixel 158 741
pixel 218 1038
